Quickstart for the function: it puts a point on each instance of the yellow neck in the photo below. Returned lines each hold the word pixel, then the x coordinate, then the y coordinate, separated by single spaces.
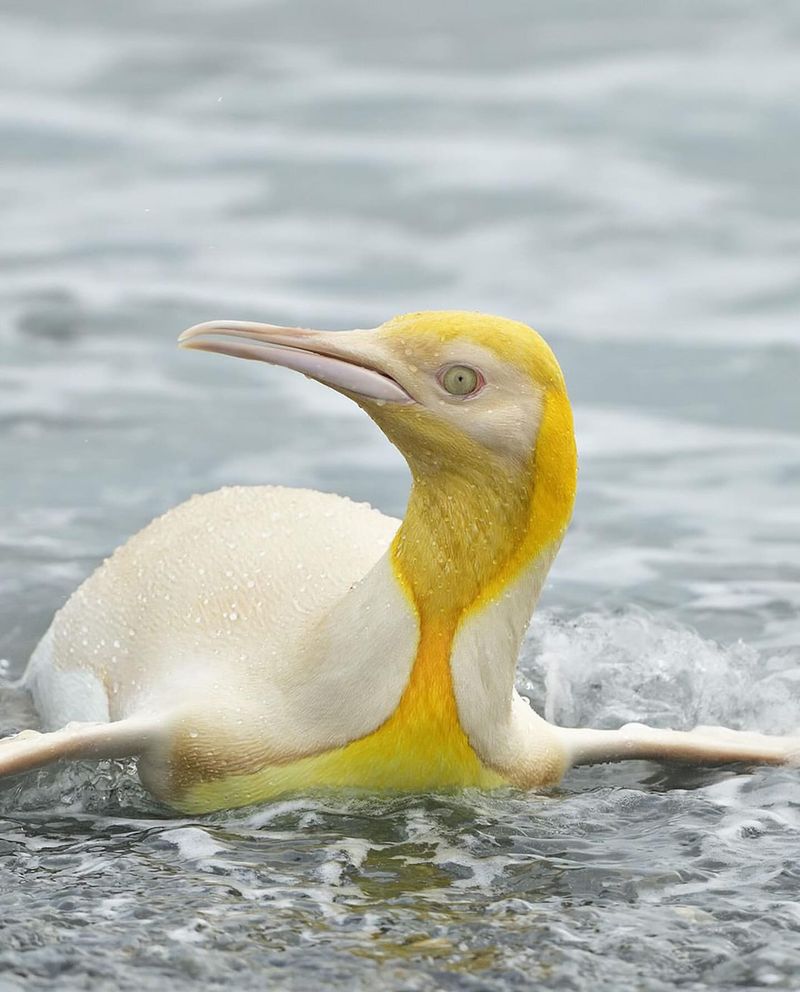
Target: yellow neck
pixel 469 532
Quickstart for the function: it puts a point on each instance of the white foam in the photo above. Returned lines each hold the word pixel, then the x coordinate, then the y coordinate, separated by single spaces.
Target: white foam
pixel 604 670
pixel 193 843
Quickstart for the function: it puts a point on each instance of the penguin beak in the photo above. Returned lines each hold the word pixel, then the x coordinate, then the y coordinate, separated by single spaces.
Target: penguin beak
pixel 343 360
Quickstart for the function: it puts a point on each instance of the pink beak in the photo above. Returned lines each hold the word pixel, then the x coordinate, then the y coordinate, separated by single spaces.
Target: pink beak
pixel 336 358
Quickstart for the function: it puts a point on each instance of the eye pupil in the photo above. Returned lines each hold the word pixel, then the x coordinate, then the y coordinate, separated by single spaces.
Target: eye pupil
pixel 460 380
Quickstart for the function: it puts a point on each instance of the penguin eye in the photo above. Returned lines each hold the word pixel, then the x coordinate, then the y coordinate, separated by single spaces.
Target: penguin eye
pixel 460 380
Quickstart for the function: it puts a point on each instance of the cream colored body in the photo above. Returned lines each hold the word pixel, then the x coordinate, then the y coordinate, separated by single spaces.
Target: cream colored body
pixel 243 604
pixel 288 636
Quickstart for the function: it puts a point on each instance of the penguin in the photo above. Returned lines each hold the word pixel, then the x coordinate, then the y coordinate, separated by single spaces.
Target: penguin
pixel 261 640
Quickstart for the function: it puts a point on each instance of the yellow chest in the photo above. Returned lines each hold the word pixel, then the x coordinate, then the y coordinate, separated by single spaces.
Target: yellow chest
pixel 421 746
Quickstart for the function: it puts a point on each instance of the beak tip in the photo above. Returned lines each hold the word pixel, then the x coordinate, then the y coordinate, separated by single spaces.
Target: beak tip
pixel 191 332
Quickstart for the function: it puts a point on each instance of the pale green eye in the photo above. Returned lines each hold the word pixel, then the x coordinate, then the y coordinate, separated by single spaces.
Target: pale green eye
pixel 460 380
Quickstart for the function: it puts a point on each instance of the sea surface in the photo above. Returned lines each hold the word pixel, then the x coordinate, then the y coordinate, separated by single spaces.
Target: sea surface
pixel 623 176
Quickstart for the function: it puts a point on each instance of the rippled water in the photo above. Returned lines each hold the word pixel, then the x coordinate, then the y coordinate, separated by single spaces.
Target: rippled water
pixel 624 177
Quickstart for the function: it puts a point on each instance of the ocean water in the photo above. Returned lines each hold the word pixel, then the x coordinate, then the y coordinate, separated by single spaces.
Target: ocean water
pixel 624 177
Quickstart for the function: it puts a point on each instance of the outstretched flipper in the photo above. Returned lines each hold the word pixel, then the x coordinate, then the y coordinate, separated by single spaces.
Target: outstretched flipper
pixel 121 739
pixel 701 746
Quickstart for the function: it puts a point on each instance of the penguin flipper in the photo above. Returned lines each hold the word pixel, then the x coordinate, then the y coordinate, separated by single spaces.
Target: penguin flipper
pixel 31 749
pixel 701 746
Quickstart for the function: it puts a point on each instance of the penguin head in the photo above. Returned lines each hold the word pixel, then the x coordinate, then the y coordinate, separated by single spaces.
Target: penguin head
pixel 455 391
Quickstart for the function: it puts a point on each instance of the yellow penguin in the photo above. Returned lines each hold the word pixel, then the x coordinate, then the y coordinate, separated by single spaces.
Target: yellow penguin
pixel 255 641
